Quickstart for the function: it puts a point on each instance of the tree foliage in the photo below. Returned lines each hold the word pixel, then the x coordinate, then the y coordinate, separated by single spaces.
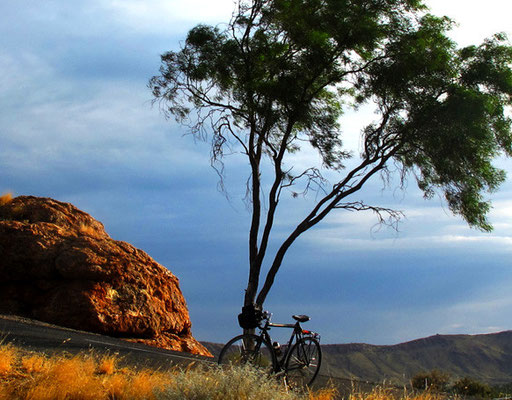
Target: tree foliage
pixel 281 73
pixel 435 380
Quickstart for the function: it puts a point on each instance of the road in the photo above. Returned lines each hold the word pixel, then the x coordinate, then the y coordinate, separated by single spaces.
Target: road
pixel 46 338
pixel 42 337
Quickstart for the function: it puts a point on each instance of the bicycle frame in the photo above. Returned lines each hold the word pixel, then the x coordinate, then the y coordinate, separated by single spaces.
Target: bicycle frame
pixel 296 335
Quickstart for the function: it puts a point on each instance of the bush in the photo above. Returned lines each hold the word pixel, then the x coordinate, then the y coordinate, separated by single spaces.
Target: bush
pixel 471 387
pixel 434 380
pixel 503 390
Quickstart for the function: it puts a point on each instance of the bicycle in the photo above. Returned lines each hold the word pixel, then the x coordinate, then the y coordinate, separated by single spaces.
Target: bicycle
pixel 300 361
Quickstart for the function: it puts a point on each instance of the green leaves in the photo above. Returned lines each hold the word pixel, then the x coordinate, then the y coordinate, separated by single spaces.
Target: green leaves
pixel 282 71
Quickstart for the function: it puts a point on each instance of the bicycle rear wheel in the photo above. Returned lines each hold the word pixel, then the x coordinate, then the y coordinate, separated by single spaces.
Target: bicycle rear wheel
pixel 249 349
pixel 303 362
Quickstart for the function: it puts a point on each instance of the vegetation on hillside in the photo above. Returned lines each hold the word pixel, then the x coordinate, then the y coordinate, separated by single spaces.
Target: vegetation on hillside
pixel 437 381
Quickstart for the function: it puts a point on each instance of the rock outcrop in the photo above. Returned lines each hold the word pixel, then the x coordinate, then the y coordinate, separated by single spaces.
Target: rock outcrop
pixel 58 265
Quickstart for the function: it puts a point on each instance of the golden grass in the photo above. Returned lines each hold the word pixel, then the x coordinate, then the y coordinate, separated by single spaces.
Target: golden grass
pixel 5 198
pixel 7 357
pixel 107 365
pixel 34 376
pixel 32 364
pixel 382 393
pixel 323 394
pixel 87 230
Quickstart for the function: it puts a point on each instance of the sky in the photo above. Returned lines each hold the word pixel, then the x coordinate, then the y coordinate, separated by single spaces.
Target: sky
pixel 77 125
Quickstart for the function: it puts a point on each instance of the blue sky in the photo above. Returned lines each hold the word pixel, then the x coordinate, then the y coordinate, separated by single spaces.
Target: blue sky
pixel 77 125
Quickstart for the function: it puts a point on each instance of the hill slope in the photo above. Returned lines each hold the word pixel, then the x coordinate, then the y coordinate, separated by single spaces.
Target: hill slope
pixel 487 358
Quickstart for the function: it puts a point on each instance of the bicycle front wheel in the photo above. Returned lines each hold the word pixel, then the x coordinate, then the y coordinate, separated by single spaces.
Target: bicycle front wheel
pixel 249 349
pixel 303 362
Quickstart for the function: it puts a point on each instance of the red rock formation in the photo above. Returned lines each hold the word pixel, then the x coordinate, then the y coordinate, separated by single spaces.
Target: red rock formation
pixel 57 264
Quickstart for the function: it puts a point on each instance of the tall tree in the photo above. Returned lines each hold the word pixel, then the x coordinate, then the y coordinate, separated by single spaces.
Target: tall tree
pixel 282 72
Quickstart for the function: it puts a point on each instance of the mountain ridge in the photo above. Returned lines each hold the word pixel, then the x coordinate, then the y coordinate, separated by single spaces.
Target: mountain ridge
pixel 486 357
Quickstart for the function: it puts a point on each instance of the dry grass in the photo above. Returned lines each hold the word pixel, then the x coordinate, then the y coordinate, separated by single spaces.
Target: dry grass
pixel 7 357
pixel 5 198
pixel 87 230
pixel 32 364
pixel 34 376
pixel 381 393
pixel 232 384
pixel 323 394
pixel 107 365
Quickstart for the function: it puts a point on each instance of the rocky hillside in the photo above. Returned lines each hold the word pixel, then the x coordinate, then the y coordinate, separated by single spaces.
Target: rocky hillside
pixel 58 265
pixel 487 358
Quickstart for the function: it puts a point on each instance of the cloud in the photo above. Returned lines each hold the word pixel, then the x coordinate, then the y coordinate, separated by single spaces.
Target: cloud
pixel 63 126
pixel 502 210
pixel 168 16
pixel 483 313
pixel 336 240
pixel 426 225
pixel 474 23
pixel 77 125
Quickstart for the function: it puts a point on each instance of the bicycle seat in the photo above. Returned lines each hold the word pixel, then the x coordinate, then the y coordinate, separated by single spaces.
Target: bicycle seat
pixel 301 318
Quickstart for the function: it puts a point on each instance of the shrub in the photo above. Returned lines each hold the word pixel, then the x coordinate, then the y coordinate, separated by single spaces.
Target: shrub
pixel 470 387
pixel 434 380
pixel 5 198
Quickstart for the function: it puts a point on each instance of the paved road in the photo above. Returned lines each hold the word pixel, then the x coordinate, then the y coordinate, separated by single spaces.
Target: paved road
pixel 46 338
pixel 39 336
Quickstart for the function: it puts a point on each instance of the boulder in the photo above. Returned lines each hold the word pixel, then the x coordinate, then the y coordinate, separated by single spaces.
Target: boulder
pixel 58 265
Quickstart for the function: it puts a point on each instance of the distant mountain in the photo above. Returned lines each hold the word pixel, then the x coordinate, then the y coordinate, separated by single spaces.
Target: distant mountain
pixel 487 358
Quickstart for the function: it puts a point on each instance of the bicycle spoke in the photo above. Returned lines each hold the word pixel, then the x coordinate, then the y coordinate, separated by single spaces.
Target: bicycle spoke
pixel 248 349
pixel 303 362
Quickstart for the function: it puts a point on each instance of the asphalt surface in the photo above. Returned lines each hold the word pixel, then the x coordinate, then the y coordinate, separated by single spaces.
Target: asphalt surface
pixel 50 339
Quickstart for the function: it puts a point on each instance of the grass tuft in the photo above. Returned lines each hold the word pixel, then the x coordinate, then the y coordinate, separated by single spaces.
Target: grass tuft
pixel 382 393
pixel 87 230
pixel 5 198
pixel 146 383
pixel 107 365
pixel 323 394
pixel 7 359
pixel 33 364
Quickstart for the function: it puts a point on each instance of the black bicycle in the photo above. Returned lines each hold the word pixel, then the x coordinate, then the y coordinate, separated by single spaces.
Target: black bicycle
pixel 298 361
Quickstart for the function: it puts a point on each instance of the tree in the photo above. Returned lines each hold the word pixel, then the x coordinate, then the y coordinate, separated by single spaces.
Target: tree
pixel 434 380
pixel 276 79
